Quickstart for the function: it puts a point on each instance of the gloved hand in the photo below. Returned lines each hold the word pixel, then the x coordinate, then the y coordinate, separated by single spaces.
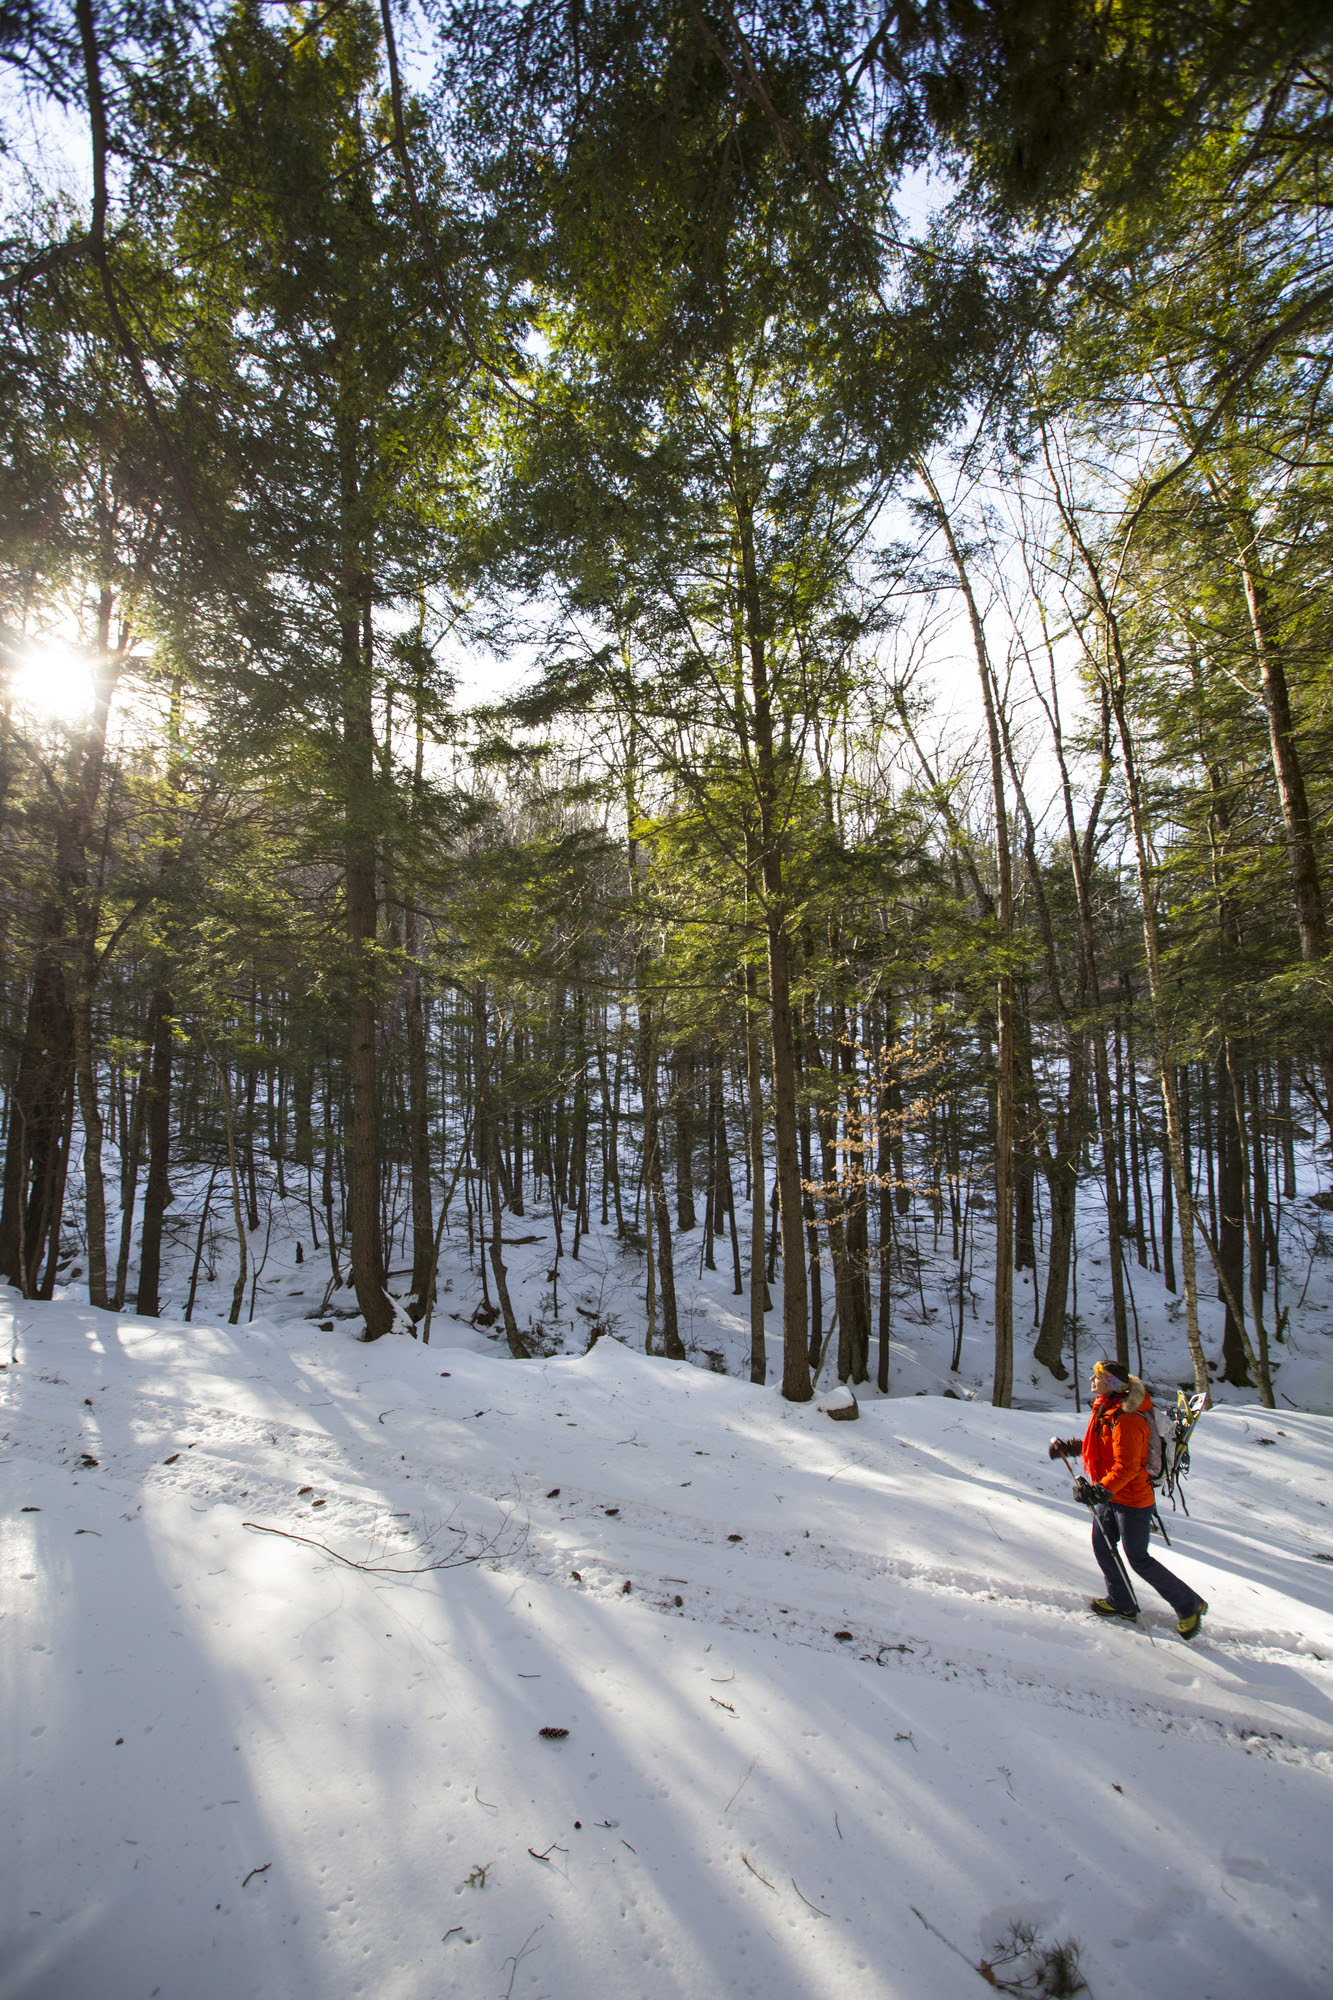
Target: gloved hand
pixel 1064 1448
pixel 1090 1495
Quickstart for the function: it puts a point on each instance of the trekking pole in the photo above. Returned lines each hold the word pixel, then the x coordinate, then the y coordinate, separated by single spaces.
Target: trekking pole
pixel 1114 1547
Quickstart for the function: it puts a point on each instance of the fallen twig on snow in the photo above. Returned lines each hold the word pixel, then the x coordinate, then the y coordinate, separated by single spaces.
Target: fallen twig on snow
pixel 516 1958
pixel 455 1561
pixel 806 1900
pixel 943 1940
pixel 758 1877
pixel 741 1787
pixel 458 1559
pixel 1052 1970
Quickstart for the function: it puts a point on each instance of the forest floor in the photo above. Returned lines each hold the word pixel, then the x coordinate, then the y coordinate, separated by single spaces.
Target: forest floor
pixel 558 1298
pixel 838 1716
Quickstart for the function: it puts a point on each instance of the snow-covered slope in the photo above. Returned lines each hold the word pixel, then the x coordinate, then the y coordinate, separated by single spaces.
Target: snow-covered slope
pixel 837 1714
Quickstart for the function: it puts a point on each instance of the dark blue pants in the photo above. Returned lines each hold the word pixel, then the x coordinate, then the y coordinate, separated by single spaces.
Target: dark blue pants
pixel 1130 1527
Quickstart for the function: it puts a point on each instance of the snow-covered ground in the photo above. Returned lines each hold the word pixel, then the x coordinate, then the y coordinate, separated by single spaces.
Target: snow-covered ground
pixel 558 1298
pixel 837 1714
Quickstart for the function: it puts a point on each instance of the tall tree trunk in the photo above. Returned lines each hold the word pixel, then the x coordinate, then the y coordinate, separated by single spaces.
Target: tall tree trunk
pixel 726 1191
pixel 796 1384
pixel 418 1128
pixel 1061 1169
pixel 489 1143
pixel 1302 855
pixel 367 1250
pixel 857 1226
pixel 655 1180
pixel 1165 1066
pixel 1062 1186
pixel 157 1190
pixel 886 1172
pixel 1254 1237
pixel 1115 679
pixel 1286 1128
pixel 1083 1041
pixel 816 1282
pixel 773 836
pixel 1131 1071
pixel 326 1188
pixel 1003 1386
pixel 578 1162
pixel 713 1210
pixel 683 1107
pixel 90 1115
pixel 131 1155
pixel 758 1183
pixel 1168 1225
pixel 1027 1114
pixel 360 898
pixel 1230 1226
pixel 76 916
pixel 250 1175
pixel 611 1139
pixel 819 1084
pixel 37 1143
pixel 234 1170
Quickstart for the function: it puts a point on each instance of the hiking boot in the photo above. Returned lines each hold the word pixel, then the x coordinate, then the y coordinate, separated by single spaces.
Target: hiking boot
pixel 1188 1626
pixel 1105 1609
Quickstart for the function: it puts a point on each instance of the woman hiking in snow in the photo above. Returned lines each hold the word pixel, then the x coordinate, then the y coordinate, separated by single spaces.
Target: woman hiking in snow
pixel 1117 1487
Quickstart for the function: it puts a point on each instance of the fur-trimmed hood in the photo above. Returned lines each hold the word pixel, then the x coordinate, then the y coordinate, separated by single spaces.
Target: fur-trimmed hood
pixel 1130 1394
pixel 1115 1452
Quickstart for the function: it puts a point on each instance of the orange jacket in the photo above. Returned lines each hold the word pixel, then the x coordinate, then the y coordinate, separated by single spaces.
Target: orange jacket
pixel 1115 1446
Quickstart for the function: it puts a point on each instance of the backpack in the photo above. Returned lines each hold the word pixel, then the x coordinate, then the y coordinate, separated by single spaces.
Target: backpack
pixel 1169 1433
pixel 1161 1438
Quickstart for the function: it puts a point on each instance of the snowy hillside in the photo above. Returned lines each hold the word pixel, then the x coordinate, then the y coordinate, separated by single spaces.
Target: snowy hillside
pixel 837 1715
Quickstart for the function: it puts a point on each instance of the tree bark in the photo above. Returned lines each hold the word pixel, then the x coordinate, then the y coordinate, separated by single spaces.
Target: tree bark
pixel 655 1180
pixel 90 1116
pixel 758 1184
pixel 418 1119
pixel 489 1141
pixel 683 1106
pixel 1230 1226
pixel 361 908
pixel 1003 1386
pixel 886 1173
pixel 1302 855
pixel 131 1154
pixel 234 1170
pixel 157 1190
pixel 37 1143
pixel 856 1226
pixel 1115 684
pixel 772 842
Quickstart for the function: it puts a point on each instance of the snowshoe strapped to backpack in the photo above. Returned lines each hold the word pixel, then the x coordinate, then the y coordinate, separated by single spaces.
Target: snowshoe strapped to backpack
pixel 1169 1432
